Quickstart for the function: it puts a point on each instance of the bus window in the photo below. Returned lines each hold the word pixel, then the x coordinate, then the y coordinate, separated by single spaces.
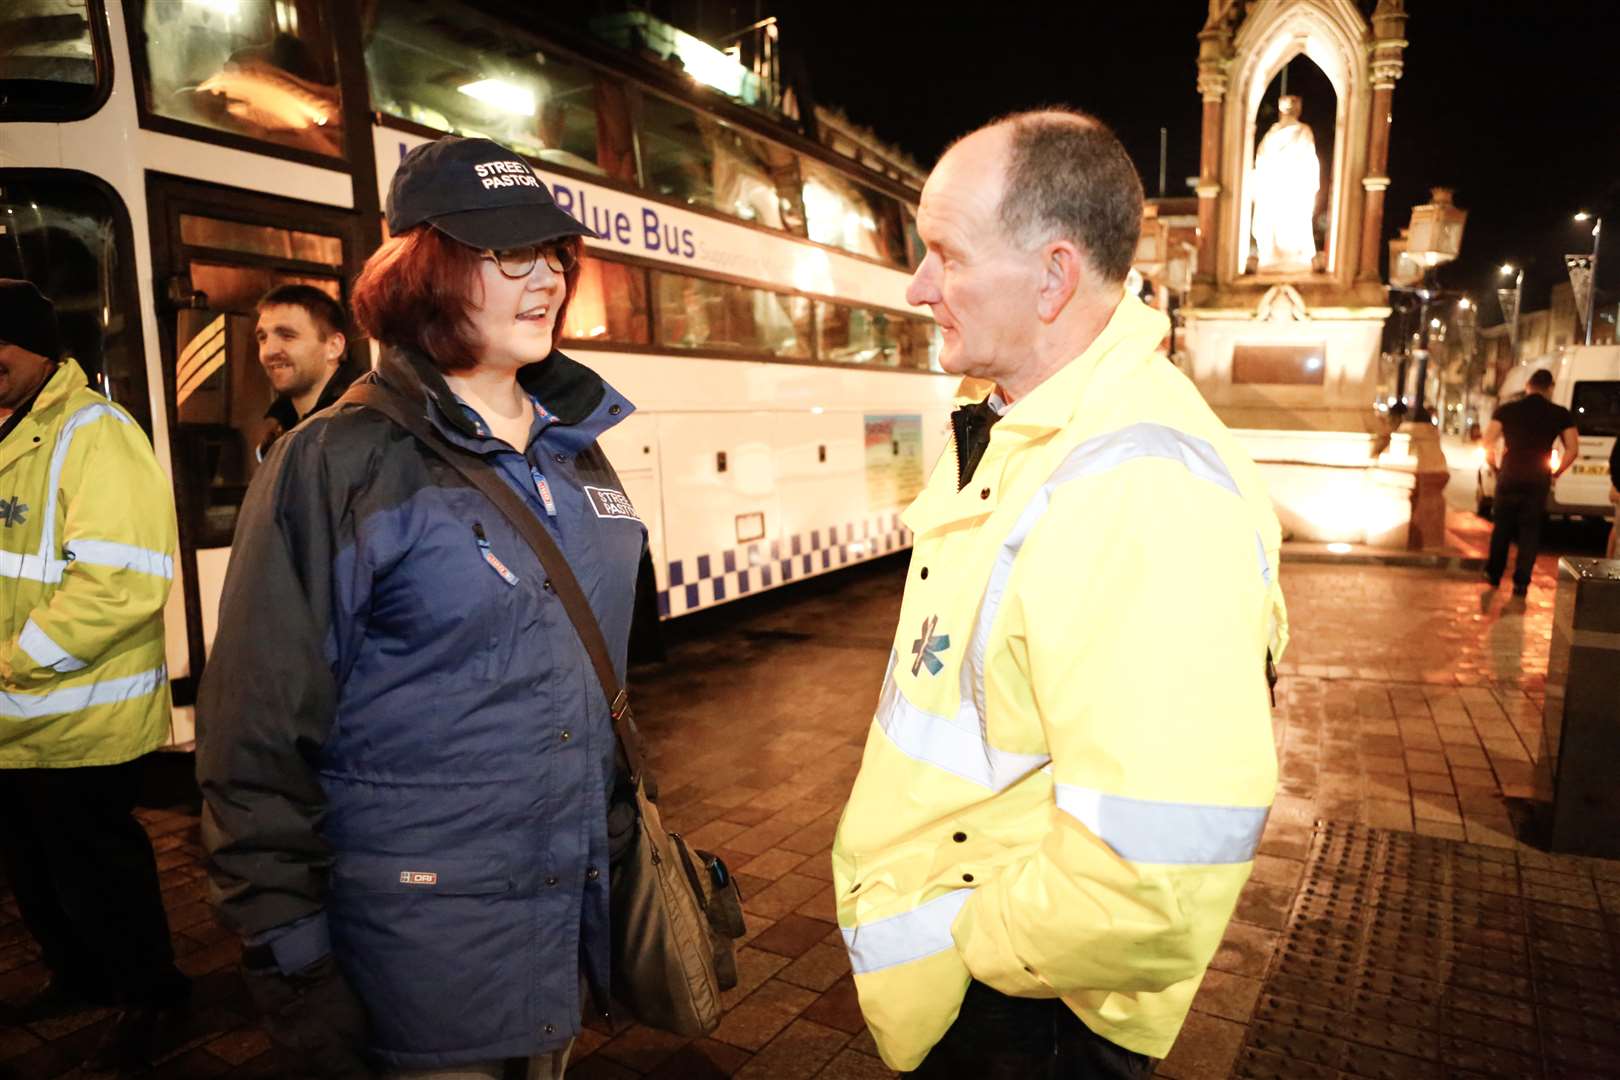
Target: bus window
pixel 1596 406
pixel 265 69
pixel 197 230
pixel 697 313
pixel 439 64
pixel 61 231
pixel 609 304
pixel 915 250
pixel 851 216
pixel 852 335
pixel 697 159
pixel 51 66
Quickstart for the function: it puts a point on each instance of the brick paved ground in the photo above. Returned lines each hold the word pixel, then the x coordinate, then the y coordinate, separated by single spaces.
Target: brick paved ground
pixel 1406 703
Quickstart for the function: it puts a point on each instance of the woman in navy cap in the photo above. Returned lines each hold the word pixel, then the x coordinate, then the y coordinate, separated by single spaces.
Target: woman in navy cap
pixel 405 752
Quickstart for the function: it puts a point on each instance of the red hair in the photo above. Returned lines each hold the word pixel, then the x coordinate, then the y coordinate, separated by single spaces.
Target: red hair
pixel 418 291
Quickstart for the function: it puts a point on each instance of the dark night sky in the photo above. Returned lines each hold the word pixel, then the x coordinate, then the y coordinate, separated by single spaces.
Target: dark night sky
pixel 1516 105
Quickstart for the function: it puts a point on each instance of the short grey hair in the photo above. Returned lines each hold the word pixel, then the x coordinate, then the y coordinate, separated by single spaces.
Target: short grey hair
pixel 1068 177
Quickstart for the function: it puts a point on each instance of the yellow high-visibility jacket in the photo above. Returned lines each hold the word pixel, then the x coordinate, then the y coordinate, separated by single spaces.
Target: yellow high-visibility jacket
pixel 87 544
pixel 1072 758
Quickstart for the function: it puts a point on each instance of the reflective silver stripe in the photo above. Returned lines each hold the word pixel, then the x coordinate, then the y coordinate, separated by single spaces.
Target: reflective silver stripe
pixel 1094 456
pixel 1166 832
pixel 38 644
pixel 69 699
pixel 956 746
pixel 122 556
pixel 960 744
pixel 30 567
pixel 59 453
pixel 911 935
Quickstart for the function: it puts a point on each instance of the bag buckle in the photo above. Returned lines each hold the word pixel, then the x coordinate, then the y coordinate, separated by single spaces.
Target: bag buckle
pixel 620 705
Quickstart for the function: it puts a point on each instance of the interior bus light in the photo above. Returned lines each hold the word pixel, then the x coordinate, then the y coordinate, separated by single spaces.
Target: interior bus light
pixel 505 96
pixel 709 65
pixel 1339 547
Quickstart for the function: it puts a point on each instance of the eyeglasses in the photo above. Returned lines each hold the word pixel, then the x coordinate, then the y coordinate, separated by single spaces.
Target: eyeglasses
pixel 518 263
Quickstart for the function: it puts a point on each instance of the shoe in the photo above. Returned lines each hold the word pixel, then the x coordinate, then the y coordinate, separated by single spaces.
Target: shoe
pixel 139 1037
pixel 1520 594
pixel 62 996
pixel 1490 582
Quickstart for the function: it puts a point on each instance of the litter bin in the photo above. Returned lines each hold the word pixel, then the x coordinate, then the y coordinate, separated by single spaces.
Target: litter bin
pixel 1576 774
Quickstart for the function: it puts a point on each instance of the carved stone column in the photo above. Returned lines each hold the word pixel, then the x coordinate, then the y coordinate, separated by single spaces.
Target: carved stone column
pixel 1389 28
pixel 1214 52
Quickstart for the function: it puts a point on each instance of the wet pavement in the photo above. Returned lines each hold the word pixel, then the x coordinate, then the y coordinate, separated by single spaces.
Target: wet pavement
pixel 1395 924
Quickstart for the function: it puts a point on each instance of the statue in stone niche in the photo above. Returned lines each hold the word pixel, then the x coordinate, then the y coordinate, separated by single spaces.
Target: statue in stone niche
pixel 1283 189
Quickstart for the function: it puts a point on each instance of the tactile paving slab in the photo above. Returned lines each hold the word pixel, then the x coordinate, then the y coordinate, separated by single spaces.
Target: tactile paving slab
pixel 1411 956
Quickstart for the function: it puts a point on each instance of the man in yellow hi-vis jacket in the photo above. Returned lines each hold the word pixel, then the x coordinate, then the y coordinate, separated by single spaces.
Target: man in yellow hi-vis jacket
pixel 1072 758
pixel 87 543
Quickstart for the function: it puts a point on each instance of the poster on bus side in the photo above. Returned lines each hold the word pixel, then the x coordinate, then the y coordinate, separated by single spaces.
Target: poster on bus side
pixel 894 464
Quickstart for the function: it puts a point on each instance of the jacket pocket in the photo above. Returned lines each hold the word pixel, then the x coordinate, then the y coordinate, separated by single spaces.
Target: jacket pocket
pixel 437 875
pixel 440 948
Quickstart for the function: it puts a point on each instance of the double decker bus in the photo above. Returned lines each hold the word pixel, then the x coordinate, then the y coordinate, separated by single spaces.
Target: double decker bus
pixel 163 163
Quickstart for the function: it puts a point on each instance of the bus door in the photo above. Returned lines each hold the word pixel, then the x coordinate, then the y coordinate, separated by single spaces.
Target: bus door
pixel 215 252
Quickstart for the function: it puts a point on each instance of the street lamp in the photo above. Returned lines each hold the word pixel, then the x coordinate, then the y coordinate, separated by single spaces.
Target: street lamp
pixel 1512 317
pixel 1434 238
pixel 1591 289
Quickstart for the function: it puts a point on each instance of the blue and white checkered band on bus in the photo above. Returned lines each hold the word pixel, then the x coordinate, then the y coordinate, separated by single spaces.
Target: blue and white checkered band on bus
pixel 700 581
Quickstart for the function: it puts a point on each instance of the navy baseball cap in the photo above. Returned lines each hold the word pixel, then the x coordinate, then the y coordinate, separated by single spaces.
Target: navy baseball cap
pixel 476 191
pixel 28 319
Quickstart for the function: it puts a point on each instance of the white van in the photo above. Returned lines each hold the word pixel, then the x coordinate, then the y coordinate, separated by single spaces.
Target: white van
pixel 1586 381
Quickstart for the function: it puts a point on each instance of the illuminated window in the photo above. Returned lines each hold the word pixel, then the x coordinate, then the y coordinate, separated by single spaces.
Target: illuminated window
pixel 248 67
pixel 50 67
pixel 852 335
pixel 447 67
pixel 850 216
pixel 609 304
pixel 697 313
pixel 696 159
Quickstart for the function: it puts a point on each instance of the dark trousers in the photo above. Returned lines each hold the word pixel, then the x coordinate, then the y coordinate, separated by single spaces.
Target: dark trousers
pixel 997 1037
pixel 85 880
pixel 1516 518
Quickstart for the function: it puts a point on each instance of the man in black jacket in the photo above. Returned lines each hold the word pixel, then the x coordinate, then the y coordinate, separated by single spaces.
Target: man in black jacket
pixel 301 348
pixel 1525 476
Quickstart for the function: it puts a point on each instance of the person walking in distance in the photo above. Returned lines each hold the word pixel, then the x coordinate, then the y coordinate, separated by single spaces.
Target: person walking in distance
pixel 87 546
pixel 1518 443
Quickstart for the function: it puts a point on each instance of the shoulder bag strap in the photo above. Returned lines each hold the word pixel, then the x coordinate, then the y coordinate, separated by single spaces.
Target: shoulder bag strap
pixel 480 475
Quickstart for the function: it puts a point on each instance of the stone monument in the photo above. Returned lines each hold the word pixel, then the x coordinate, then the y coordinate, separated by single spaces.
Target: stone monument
pixel 1285 316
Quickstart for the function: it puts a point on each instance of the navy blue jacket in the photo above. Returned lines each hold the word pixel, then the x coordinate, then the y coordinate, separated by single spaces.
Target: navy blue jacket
pixel 405 753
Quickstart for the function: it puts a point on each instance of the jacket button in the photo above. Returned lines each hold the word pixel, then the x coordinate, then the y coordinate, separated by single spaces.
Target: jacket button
pixel 549 1029
pixel 561 459
pixel 592 873
pixel 550 882
pixel 968 878
pixel 614 410
pixel 546 585
pixel 984 493
pixel 960 837
pixel 924 574
pixel 565 735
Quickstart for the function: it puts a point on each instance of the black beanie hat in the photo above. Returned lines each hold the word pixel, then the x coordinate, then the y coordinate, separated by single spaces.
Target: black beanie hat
pixel 28 319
